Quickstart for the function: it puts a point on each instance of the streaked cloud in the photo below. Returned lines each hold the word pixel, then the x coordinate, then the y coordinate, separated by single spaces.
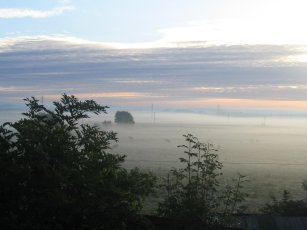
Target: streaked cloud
pixel 298 58
pixel 186 76
pixel 7 13
pixel 139 82
pixel 112 95
pixel 232 103
pixel 121 95
pixel 247 88
pixel 14 89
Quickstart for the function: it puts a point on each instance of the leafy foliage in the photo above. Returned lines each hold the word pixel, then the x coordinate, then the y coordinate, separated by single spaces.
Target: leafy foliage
pixel 124 117
pixel 286 206
pixel 56 174
pixel 194 192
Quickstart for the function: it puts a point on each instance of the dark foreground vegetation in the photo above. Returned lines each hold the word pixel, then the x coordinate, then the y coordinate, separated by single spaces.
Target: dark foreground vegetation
pixel 58 174
pixel 194 193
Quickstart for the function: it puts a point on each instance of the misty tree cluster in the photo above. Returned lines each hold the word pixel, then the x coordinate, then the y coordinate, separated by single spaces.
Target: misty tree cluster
pixel 123 117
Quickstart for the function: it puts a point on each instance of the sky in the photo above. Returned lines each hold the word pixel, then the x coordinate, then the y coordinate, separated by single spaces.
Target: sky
pixel 194 78
pixel 147 21
pixel 238 54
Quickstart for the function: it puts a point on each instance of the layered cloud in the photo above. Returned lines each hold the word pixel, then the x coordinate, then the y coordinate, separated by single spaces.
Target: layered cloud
pixel 7 13
pixel 233 32
pixel 184 77
pixel 245 22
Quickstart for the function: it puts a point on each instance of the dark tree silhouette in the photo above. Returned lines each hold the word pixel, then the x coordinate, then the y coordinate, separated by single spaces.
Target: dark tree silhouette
pixel 286 206
pixel 124 117
pixel 195 196
pixel 57 174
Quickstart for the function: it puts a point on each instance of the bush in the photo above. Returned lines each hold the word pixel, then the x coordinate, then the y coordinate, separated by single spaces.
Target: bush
pixel 194 195
pixel 286 206
pixel 123 117
pixel 57 174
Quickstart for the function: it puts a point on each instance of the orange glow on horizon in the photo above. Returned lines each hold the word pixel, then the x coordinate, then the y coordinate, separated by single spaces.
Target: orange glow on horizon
pixel 140 99
pixel 229 103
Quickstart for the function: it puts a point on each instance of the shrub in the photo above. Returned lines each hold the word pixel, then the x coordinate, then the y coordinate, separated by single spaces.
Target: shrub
pixel 285 206
pixel 194 194
pixel 57 174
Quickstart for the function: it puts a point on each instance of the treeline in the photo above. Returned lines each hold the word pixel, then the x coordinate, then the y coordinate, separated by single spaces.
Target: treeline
pixel 56 173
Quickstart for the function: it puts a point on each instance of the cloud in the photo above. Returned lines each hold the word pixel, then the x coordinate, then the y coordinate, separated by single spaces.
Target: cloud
pixel 120 95
pixel 8 13
pixel 13 89
pixel 51 66
pixel 237 32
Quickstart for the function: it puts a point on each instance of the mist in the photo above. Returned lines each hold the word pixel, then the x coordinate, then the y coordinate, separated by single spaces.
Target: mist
pixel 271 150
pixel 196 90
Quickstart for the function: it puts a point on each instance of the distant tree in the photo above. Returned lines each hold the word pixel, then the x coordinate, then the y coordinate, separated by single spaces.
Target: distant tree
pixel 57 174
pixel 124 117
pixel 194 193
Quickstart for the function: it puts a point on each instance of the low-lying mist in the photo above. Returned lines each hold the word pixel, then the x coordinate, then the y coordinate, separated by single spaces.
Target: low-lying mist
pixel 271 151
